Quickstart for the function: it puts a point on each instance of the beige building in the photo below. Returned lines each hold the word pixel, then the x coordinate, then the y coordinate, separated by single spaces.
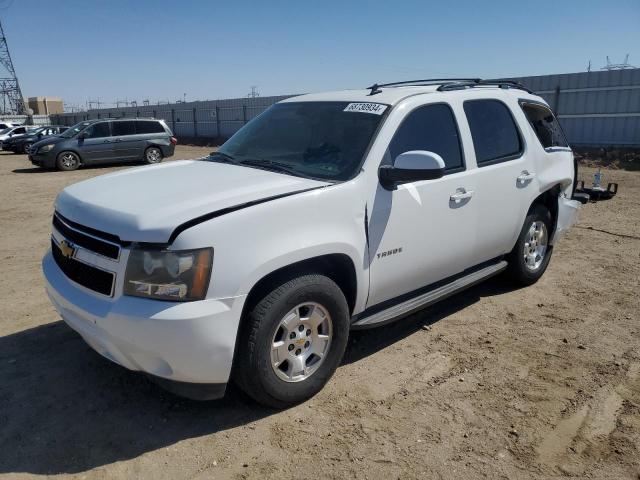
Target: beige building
pixel 45 105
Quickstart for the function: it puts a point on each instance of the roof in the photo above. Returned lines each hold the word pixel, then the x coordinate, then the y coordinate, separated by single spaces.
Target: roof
pixel 393 93
pixel 390 96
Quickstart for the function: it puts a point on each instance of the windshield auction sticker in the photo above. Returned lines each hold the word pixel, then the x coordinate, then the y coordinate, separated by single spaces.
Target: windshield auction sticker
pixel 375 108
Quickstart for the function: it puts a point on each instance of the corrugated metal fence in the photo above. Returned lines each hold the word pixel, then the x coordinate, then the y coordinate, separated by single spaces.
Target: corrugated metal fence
pixel 595 109
pixel 209 119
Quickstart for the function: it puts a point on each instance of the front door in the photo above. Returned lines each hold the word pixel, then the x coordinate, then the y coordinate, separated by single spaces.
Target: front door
pixel 422 232
pixel 96 146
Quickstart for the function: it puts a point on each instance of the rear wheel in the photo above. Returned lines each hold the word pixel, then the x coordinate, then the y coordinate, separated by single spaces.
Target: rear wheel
pixel 153 155
pixel 67 161
pixel 531 255
pixel 292 341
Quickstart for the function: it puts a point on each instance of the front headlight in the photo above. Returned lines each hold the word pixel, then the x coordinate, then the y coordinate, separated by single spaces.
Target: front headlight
pixel 46 148
pixel 181 275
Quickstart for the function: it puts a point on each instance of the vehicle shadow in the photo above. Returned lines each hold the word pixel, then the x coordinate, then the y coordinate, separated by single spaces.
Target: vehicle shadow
pixel 100 166
pixel 363 343
pixel 64 409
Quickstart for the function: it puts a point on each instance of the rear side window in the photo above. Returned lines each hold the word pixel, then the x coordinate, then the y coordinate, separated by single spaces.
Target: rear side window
pixel 545 124
pixel 98 130
pixel 20 130
pixel 493 130
pixel 432 128
pixel 144 126
pixel 124 127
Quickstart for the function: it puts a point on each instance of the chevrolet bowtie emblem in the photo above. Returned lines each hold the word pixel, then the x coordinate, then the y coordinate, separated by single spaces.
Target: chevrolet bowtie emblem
pixel 66 248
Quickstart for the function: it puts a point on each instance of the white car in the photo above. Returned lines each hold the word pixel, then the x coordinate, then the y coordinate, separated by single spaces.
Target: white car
pixel 326 213
pixel 15 131
pixel 4 125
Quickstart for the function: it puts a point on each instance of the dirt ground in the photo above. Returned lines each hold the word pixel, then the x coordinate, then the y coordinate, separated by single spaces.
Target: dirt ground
pixel 495 382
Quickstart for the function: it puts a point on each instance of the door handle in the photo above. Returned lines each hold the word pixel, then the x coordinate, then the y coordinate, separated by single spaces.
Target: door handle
pixel 525 176
pixel 107 141
pixel 460 195
pixel 119 140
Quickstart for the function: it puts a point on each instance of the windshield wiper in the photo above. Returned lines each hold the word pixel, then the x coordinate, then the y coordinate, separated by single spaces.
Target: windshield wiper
pixel 271 165
pixel 224 157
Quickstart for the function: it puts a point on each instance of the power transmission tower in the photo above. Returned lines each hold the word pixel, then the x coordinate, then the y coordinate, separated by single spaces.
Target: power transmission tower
pixel 12 101
pixel 254 92
pixel 618 66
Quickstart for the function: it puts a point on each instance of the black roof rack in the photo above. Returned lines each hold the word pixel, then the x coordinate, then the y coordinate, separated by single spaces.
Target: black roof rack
pixel 375 88
pixel 498 82
pixel 448 84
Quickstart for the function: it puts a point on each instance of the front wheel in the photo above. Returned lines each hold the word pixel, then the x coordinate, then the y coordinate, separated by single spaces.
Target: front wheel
pixel 530 257
pixel 153 155
pixel 292 341
pixel 26 147
pixel 68 161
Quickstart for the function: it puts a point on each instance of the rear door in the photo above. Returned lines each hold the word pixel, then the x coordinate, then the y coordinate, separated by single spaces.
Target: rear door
pixel 127 144
pixel 96 146
pixel 504 175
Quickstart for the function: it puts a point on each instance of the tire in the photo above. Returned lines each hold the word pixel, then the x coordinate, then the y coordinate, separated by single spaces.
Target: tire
pixel 153 155
pixel 26 147
pixel 531 254
pixel 266 353
pixel 67 161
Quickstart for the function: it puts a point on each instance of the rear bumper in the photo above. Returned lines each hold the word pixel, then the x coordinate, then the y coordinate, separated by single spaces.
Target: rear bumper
pixel 182 344
pixel 567 216
pixel 168 150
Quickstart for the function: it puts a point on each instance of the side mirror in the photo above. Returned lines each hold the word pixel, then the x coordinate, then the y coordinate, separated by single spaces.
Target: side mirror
pixel 82 135
pixel 411 167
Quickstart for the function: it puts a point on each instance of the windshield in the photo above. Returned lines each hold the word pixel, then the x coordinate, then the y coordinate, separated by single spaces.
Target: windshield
pixel 37 130
pixel 77 128
pixel 324 140
pixel 5 130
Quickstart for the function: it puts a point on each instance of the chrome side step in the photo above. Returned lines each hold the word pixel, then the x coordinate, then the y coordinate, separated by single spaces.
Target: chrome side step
pixel 429 298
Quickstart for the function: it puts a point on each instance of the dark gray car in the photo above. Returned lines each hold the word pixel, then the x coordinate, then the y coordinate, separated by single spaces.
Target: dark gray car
pixel 105 141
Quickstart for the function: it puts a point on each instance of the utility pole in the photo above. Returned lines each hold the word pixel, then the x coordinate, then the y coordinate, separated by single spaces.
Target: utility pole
pixel 9 86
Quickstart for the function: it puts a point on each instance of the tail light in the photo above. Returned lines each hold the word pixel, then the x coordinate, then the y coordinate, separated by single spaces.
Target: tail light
pixel 174 141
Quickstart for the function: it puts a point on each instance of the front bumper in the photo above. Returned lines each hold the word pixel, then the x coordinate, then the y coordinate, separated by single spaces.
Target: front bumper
pixel 45 160
pixel 182 343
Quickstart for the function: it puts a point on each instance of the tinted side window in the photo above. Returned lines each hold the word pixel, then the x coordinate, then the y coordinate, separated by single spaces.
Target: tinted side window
pixel 98 130
pixel 124 127
pixel 144 126
pixel 19 131
pixel 493 130
pixel 545 125
pixel 432 128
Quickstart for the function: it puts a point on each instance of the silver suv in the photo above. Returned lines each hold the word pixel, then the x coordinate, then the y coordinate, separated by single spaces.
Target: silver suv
pixel 105 141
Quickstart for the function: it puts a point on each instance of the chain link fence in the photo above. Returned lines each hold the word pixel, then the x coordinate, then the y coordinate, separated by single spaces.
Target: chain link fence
pixel 21 119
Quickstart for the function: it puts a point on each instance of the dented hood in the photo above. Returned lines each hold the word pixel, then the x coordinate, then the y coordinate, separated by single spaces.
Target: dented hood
pixel 146 204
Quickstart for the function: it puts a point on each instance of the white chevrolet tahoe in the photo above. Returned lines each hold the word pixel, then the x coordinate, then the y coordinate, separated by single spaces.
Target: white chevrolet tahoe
pixel 326 213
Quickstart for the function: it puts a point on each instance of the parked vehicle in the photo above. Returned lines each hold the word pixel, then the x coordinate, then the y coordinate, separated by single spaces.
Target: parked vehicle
pixel 105 141
pixel 328 212
pixel 11 132
pixel 22 143
pixel 5 125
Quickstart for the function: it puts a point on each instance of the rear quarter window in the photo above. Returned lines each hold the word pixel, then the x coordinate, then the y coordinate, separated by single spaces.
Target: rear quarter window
pixel 545 125
pixel 493 130
pixel 144 126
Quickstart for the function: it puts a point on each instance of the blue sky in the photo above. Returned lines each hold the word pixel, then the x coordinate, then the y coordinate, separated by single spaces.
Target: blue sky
pixel 161 49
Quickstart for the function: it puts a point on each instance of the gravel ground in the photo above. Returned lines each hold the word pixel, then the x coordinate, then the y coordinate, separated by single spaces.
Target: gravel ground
pixel 493 383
